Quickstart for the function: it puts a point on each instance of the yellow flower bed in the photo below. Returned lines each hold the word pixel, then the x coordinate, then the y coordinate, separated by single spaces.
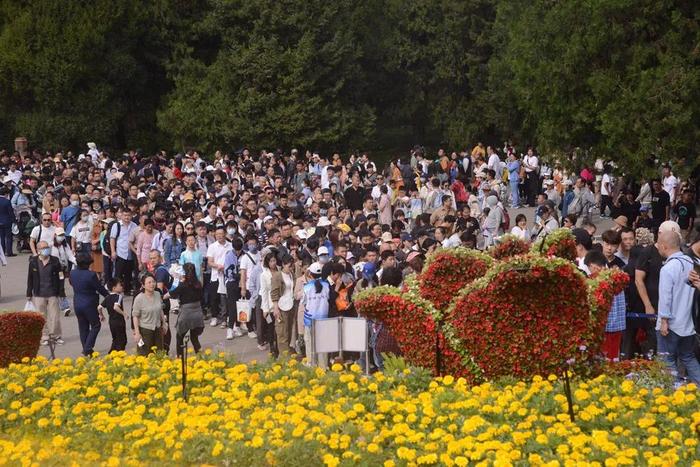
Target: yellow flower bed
pixel 127 410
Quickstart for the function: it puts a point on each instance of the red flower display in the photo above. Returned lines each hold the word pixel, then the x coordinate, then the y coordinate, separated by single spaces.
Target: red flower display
pixel 20 336
pixel 509 246
pixel 528 314
pixel 447 271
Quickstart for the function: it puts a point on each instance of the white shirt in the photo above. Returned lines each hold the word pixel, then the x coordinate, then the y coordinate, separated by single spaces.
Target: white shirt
pixel 495 164
pixel 248 261
pixel 217 252
pixel 48 234
pixel 286 301
pixel 531 161
pixel 376 193
pixel 523 234
pixel 82 231
pixel 670 183
pixel 603 188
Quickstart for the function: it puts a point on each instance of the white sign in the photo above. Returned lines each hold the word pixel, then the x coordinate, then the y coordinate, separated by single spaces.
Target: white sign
pixel 354 334
pixel 326 335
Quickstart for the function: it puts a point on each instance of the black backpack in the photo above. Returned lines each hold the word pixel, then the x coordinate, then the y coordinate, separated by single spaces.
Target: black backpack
pixel 106 246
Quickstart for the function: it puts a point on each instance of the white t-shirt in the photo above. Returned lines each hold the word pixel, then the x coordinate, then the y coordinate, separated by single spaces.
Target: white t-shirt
pixel 217 252
pixel 495 164
pixel 48 234
pixel 670 184
pixel 246 262
pixel 533 162
pixel 603 189
pixel 523 234
pixel 82 232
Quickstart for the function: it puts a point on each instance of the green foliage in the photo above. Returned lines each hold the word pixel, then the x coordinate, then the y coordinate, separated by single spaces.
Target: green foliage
pixel 580 79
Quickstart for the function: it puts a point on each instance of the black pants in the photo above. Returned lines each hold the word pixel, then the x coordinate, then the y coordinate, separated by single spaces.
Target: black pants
pixel 215 301
pixel 206 277
pixel 107 269
pixel 194 337
pixel 531 186
pixel 123 270
pixel 6 238
pixel 118 329
pixel 606 202
pixel 151 339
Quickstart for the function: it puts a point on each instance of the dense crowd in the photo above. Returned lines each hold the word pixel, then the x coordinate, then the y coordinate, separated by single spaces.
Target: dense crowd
pixel 263 244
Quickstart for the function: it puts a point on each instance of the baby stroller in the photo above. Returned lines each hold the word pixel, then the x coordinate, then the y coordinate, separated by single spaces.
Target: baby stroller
pixel 25 224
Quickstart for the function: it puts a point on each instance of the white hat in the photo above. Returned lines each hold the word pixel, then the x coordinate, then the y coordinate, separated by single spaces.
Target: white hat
pixel 268 218
pixel 81 157
pixel 323 222
pixel 549 182
pixel 210 168
pixel 92 145
pixel 7 179
pixel 315 269
pixel 322 250
pixel 302 234
pixel 349 255
pixel 386 237
pixel 568 182
pixel 141 195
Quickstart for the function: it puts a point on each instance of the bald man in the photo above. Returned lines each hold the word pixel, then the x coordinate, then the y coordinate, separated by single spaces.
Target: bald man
pixel 44 287
pixel 674 327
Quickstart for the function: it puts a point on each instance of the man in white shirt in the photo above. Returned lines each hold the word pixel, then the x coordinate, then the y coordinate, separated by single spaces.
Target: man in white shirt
pixel 216 254
pixel 376 191
pixel 494 162
pixel 605 190
pixel 670 184
pixel 44 232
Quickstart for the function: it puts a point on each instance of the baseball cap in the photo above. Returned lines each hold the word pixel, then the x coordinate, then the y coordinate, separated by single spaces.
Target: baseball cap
pixel 669 226
pixel 315 269
pixel 323 222
pixel 386 237
pixel 268 219
pixel 322 251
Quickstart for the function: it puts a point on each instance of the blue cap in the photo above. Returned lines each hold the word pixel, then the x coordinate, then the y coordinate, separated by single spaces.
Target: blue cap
pixel 369 269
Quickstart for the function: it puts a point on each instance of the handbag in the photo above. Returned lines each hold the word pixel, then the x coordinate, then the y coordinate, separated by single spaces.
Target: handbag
pixel 243 311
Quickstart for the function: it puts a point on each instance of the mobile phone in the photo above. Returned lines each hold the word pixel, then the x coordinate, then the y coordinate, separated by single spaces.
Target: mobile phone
pixel 141 343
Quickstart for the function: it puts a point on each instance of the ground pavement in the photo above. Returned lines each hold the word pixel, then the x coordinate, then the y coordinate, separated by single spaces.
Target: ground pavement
pixel 14 285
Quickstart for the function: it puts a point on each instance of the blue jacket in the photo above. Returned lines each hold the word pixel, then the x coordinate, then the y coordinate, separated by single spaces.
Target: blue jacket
pixel 86 286
pixel 69 217
pixel 7 214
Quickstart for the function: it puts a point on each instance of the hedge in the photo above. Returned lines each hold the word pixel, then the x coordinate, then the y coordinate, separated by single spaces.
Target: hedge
pixel 20 336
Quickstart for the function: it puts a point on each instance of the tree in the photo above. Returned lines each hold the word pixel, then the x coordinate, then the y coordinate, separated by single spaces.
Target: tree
pixel 283 73
pixel 82 71
pixel 618 78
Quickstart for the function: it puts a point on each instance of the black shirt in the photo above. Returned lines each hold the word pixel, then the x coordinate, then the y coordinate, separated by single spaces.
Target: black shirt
pixel 109 302
pixel 650 261
pixel 187 294
pixel 354 197
pixel 685 212
pixel 659 202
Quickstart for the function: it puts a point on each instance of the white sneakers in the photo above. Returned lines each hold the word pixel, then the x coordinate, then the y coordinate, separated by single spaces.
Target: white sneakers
pixel 233 332
pixel 252 334
pixel 213 322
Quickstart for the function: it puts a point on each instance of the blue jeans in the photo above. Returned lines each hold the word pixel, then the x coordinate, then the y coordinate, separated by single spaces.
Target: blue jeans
pixel 514 194
pixel 88 325
pixel 673 348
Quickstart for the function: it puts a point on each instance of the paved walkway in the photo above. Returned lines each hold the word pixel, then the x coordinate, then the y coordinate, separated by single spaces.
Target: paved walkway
pixel 14 285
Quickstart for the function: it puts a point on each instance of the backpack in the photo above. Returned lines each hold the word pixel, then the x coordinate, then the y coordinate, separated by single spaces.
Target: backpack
pixel 505 223
pixel 170 277
pixel 106 246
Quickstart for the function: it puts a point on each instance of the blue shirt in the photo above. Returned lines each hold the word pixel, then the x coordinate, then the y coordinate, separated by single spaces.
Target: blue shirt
pixel 616 317
pixel 514 171
pixel 676 295
pixel 195 257
pixel 69 216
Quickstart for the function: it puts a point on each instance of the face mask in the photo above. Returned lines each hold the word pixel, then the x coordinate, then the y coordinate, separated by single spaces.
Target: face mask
pixel 231 231
pixel 75 203
pixel 323 259
pixel 60 238
pixel 84 218
pixel 45 252
pixel 253 248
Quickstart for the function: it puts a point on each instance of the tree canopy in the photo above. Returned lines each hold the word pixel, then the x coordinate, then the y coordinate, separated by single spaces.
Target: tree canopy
pixel 610 78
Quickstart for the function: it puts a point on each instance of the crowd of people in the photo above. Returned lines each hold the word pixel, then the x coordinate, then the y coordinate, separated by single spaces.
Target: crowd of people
pixel 264 243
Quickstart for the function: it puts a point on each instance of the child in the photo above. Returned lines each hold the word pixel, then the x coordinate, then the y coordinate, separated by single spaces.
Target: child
pixel 113 303
pixel 616 324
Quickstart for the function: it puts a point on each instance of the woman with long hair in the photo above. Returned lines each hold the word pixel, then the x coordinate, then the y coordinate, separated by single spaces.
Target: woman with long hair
pixel 148 317
pixel 173 247
pixel 190 318
pixel 282 295
pixel 86 286
pixel 266 302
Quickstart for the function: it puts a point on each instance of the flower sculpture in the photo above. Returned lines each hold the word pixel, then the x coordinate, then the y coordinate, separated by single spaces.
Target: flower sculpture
pixel 511 312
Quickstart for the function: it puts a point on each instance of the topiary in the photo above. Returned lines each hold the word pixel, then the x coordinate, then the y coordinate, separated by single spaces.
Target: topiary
pixel 20 336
